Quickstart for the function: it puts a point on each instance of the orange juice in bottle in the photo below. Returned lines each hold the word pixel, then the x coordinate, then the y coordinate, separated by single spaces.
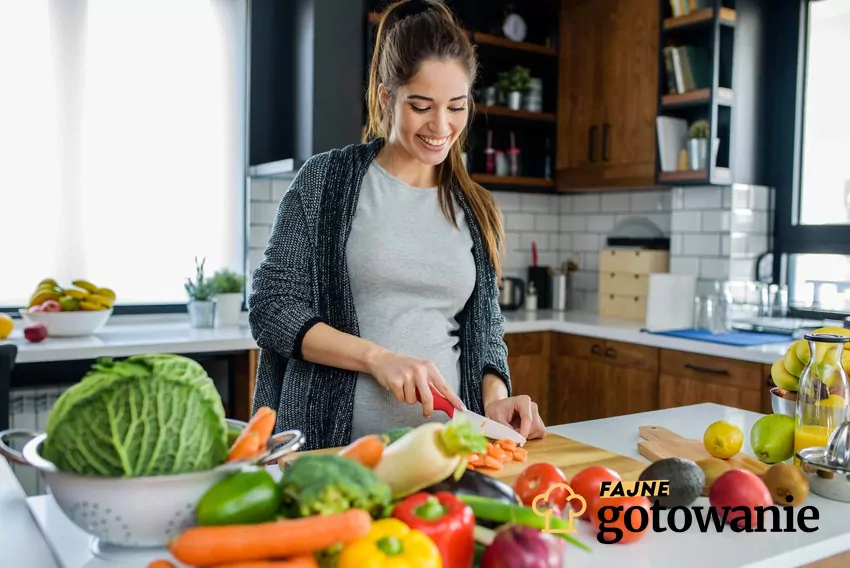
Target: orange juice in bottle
pixel 823 393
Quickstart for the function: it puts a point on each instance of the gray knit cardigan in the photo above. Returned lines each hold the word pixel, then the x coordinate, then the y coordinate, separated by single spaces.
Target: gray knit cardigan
pixel 304 280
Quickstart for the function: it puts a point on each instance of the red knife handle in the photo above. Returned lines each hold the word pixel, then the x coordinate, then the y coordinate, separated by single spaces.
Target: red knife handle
pixel 440 402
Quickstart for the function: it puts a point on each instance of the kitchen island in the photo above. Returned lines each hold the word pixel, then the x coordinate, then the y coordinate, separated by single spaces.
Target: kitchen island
pixel 22 543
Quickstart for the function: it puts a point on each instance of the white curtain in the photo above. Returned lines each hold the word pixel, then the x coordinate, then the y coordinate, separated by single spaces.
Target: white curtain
pixel 122 143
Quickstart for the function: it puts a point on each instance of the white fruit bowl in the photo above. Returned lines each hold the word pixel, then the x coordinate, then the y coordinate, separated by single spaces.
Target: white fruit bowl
pixel 68 324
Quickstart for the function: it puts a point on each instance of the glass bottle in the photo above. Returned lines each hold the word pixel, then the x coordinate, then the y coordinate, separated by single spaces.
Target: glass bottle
pixel 823 394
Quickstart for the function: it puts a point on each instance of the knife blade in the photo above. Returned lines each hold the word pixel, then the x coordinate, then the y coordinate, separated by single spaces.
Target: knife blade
pixel 489 427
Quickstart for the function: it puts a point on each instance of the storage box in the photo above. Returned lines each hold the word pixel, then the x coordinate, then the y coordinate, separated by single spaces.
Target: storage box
pixel 619 282
pixel 622 306
pixel 634 261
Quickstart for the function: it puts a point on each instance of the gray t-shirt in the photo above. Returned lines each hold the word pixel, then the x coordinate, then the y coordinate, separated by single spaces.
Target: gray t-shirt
pixel 411 273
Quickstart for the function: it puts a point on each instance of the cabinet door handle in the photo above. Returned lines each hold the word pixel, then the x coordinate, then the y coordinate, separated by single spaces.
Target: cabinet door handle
pixel 605 128
pixel 596 349
pixel 705 370
pixel 591 144
pixel 611 353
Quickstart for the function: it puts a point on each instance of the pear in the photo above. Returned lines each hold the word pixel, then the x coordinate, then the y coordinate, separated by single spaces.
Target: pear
pixel 782 378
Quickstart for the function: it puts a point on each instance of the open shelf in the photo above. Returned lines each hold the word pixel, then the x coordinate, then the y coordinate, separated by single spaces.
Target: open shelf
pixel 505 111
pixel 698 17
pixel 696 97
pixel 497 41
pixel 721 176
pixel 511 180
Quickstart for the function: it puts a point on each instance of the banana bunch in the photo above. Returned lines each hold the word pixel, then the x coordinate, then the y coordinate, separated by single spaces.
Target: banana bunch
pixel 82 296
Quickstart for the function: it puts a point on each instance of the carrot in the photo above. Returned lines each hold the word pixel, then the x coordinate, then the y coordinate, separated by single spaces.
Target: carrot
pixel 496 451
pixel 160 564
pixel 508 445
pixel 491 462
pixel 303 561
pixel 211 545
pixel 473 459
pixel 253 439
pixel 520 454
pixel 366 450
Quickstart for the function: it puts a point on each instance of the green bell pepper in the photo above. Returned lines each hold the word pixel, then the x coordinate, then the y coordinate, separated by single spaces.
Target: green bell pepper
pixel 246 497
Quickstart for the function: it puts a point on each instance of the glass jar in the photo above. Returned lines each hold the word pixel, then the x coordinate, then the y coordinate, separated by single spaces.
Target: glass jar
pixel 823 393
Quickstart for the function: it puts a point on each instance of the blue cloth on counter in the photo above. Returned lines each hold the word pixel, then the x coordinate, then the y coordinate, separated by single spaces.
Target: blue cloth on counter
pixel 738 338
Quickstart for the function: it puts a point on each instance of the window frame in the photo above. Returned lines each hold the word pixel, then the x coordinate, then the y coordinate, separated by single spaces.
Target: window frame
pixel 182 307
pixel 786 151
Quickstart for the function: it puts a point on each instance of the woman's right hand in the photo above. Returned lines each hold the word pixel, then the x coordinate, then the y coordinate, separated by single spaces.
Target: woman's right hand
pixel 403 375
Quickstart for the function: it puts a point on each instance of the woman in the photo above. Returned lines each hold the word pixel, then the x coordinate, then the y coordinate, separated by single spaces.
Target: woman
pixel 380 278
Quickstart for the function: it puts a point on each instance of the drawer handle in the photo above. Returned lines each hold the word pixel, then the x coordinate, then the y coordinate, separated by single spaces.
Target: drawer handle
pixel 596 349
pixel 611 353
pixel 707 371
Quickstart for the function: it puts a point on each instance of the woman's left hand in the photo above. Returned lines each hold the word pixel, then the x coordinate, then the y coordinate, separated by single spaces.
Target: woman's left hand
pixel 518 412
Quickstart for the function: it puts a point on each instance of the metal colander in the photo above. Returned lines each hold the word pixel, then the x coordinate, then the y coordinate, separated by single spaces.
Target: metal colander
pixel 130 512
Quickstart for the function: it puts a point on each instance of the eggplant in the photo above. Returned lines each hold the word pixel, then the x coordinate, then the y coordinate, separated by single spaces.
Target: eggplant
pixel 476 483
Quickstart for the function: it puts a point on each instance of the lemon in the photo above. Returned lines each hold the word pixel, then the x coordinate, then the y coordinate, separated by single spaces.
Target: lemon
pixel 6 326
pixel 834 401
pixel 723 440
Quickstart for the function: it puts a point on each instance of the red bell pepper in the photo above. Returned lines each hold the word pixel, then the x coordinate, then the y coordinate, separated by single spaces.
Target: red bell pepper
pixel 447 520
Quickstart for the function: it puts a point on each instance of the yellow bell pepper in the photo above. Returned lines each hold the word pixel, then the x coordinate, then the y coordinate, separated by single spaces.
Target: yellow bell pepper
pixel 391 544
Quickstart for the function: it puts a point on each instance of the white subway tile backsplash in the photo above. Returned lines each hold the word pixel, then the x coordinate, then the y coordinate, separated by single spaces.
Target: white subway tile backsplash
pixel 586 242
pixel 716 221
pixel 512 241
pixel 261 190
pixel 651 201
pixel 509 201
pixel 686 222
pixel 741 269
pixel 536 203
pixel 573 223
pixel 279 187
pixel 519 222
pixel 759 198
pixel 600 223
pixel 263 213
pixel 676 244
pixel 589 261
pixel 757 244
pixel 259 236
pixel 701 245
pixel 743 220
pixel 585 280
pixel 714 268
pixel 616 202
pixel 661 220
pixel 542 240
pixel 547 222
pixel 725 245
pixel 587 203
pixel 677 198
pixel 566 203
pixel 565 241
pixel 738 244
pixel 740 196
pixel 684 265
pixel 703 198
pixel 552 259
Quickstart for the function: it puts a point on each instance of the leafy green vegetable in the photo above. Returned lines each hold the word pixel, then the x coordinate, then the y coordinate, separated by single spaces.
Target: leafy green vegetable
pixel 393 434
pixel 148 415
pixel 328 484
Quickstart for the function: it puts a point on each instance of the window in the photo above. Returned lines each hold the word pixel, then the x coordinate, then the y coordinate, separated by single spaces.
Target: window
pixel 813 192
pixel 122 146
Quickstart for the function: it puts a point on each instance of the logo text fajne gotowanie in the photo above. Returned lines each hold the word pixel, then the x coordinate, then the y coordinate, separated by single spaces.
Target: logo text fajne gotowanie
pixel 613 520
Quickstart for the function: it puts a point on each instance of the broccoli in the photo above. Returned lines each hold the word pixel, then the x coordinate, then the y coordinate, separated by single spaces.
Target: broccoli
pixel 327 484
pixel 394 434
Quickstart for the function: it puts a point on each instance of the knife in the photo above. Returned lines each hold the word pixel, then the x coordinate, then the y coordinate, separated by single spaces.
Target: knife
pixel 490 428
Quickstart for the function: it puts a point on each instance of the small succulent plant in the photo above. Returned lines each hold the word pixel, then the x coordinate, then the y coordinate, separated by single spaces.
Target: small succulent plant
pixel 201 289
pixel 700 129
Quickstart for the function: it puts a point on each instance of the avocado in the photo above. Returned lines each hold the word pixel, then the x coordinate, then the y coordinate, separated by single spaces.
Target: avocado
pixel 686 478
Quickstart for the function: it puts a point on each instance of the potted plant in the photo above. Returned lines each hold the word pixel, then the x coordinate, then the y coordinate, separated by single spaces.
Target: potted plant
pixel 201 306
pixel 698 144
pixel 228 286
pixel 513 83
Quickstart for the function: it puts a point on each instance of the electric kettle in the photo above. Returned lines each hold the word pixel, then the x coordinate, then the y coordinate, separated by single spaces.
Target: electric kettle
pixel 511 293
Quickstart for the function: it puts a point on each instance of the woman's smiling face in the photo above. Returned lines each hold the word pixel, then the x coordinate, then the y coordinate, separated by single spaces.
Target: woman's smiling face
pixel 431 111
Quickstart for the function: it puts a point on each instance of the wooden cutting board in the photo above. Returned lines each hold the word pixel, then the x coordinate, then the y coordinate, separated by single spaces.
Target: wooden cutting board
pixel 660 443
pixel 569 455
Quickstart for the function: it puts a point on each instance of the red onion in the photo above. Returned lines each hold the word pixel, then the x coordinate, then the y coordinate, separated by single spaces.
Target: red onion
pixel 517 546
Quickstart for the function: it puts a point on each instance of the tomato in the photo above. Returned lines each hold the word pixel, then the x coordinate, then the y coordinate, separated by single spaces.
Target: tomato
pixel 624 526
pixel 588 483
pixel 536 479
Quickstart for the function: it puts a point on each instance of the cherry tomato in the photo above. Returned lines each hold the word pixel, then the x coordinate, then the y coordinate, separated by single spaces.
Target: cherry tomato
pixel 587 483
pixel 536 480
pixel 623 526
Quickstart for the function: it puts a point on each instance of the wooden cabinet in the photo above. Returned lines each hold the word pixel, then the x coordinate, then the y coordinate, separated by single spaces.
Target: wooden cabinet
pixel 691 378
pixel 528 360
pixel 608 85
pixel 599 378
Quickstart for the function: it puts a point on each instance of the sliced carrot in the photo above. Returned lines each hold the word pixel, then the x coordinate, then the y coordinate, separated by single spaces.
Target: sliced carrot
pixel 252 441
pixel 520 454
pixel 366 450
pixel 246 448
pixel 219 545
pixel 491 462
pixel 508 445
pixel 470 466
pixel 160 564
pixel 304 561
pixel 473 459
pixel 496 451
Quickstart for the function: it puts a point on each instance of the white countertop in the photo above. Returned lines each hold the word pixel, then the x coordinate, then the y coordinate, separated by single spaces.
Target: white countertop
pixel 22 544
pixel 133 335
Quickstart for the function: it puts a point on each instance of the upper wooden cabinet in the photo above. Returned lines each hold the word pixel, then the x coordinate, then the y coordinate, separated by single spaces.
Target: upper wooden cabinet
pixel 608 92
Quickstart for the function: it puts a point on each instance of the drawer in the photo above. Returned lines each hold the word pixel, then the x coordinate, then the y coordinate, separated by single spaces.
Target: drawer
pixel 636 261
pixel 622 306
pixel 526 343
pixel 580 346
pixel 711 370
pixel 616 353
pixel 619 282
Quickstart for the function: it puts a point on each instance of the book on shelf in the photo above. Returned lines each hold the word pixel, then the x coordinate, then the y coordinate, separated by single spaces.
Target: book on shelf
pixel 685 7
pixel 687 67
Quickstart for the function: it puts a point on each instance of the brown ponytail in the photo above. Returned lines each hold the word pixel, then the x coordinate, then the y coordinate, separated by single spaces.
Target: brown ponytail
pixel 409 32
